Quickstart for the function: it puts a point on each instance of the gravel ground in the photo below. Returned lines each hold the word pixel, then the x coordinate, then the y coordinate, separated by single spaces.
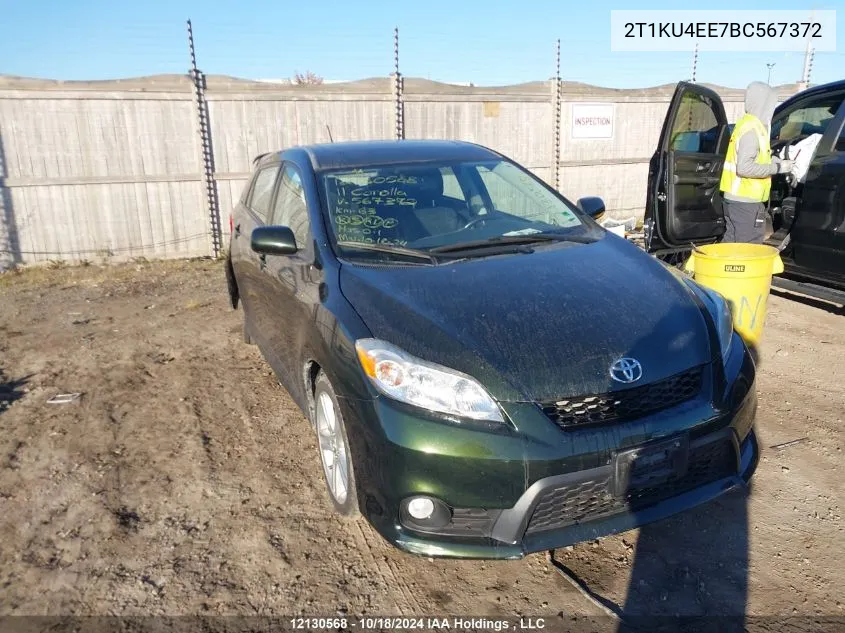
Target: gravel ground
pixel 185 481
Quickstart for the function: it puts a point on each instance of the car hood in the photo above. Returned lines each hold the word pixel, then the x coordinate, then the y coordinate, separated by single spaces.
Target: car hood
pixel 537 326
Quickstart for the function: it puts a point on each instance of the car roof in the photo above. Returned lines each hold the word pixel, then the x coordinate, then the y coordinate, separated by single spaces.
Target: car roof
pixel 357 154
pixel 809 92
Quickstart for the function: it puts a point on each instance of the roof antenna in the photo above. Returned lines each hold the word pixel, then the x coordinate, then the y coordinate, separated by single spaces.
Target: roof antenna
pixel 329 130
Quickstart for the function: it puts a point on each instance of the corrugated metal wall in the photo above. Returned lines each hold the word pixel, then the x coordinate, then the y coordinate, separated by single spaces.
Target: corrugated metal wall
pixel 113 170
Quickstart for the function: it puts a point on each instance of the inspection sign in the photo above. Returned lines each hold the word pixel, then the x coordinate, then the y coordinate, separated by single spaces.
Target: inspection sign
pixel 592 120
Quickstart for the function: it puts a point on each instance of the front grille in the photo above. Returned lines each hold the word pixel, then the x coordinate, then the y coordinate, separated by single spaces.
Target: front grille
pixel 627 404
pixel 588 500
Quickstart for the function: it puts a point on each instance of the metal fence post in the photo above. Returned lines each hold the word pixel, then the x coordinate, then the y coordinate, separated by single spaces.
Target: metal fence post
pixel 398 88
pixel 556 105
pixel 694 63
pixel 198 78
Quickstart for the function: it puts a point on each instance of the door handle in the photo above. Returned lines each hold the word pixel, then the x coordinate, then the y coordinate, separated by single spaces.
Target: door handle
pixel 703 166
pixel 698 180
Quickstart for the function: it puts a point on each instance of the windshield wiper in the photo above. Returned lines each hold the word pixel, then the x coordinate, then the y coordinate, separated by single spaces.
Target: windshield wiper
pixel 392 249
pixel 507 240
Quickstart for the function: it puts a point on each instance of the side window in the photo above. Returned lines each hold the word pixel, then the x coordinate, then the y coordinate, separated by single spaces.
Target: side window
pixel 696 127
pixel 504 198
pixel 515 192
pixel 806 119
pixel 290 209
pixel 262 191
pixel 244 199
pixel 451 187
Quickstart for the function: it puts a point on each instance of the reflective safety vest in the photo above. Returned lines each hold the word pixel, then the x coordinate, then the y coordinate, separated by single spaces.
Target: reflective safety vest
pixel 756 189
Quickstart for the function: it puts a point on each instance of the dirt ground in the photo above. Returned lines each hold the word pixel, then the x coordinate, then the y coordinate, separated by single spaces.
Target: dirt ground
pixel 185 481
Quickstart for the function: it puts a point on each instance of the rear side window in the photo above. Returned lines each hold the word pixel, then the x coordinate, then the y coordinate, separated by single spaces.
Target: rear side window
pixel 290 209
pixel 696 127
pixel 262 191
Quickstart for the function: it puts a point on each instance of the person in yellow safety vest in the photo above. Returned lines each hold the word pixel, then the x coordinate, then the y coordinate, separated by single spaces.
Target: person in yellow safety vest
pixel 749 166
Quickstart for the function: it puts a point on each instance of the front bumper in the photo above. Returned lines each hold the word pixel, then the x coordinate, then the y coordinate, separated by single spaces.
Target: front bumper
pixel 510 540
pixel 535 487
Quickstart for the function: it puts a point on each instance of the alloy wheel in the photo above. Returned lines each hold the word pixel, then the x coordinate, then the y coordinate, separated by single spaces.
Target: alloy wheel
pixel 333 451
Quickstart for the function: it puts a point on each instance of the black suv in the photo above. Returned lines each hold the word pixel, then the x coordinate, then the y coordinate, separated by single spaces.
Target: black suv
pixel 808 220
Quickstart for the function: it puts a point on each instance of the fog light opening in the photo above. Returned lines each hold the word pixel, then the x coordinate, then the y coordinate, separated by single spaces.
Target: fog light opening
pixel 421 508
pixel 422 512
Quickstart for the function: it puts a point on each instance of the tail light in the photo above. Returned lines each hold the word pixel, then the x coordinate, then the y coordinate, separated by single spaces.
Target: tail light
pixel 231 224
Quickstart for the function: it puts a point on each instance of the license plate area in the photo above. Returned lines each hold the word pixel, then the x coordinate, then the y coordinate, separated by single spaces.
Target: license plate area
pixel 650 464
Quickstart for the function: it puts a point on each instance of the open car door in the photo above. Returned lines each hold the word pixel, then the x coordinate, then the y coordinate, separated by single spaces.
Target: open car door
pixel 683 204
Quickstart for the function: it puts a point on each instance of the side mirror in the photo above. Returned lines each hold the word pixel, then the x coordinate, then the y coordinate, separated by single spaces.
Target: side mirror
pixel 273 240
pixel 592 206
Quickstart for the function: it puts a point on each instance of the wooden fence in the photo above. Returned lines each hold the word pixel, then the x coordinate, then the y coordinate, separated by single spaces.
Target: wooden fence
pixel 114 170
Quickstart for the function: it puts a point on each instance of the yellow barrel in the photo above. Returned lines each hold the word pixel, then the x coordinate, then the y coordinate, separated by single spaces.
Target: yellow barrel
pixel 742 274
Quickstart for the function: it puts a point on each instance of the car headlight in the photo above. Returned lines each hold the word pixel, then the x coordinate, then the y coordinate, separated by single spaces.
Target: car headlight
pixel 720 310
pixel 397 374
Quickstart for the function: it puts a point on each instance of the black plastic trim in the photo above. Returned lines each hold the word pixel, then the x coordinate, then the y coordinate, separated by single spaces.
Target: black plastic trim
pixel 813 290
pixel 513 522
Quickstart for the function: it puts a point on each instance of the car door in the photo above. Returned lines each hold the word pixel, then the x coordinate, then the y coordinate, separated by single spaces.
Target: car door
pixel 252 213
pixel 290 284
pixel 683 205
pixel 818 228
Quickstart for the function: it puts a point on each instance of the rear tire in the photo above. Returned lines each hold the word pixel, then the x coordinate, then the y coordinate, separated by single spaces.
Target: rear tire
pixel 333 445
pixel 232 284
pixel 247 335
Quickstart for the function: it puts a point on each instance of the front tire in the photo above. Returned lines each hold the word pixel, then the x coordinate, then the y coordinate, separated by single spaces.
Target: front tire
pixel 676 259
pixel 333 445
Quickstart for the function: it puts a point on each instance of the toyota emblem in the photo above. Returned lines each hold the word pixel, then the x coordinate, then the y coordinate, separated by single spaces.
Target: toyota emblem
pixel 626 370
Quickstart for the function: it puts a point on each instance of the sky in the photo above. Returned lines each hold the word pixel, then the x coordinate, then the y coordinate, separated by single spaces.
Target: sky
pixel 492 42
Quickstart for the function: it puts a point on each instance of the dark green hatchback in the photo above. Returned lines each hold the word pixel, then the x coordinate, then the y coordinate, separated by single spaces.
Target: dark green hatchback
pixel 488 371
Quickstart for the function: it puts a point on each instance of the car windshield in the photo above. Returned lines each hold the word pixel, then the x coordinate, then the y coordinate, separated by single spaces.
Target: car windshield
pixel 444 206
